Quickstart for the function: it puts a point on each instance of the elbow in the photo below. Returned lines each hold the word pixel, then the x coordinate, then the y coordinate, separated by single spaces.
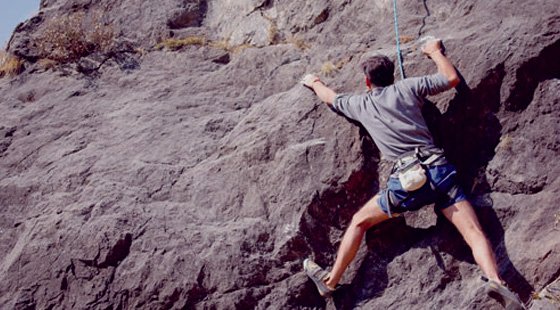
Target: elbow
pixel 328 97
pixel 454 80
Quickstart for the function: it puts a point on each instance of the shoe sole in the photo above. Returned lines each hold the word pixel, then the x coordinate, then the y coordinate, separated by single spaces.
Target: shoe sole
pixel 510 300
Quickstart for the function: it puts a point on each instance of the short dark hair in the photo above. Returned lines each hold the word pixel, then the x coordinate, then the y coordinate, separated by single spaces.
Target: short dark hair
pixel 379 70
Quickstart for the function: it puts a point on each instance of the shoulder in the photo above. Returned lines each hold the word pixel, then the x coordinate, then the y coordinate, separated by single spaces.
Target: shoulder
pixel 350 98
pixel 437 78
pixel 424 85
pixel 351 105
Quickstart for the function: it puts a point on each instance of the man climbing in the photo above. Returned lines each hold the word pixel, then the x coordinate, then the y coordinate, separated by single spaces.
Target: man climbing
pixel 391 113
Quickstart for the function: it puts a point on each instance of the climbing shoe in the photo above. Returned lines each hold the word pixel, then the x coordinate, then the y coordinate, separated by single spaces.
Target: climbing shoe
pixel 509 298
pixel 318 275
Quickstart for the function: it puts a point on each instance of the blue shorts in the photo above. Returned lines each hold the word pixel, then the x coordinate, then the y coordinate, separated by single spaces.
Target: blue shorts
pixel 443 191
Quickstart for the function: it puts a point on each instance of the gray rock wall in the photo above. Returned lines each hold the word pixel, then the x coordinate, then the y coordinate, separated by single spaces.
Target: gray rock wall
pixel 201 178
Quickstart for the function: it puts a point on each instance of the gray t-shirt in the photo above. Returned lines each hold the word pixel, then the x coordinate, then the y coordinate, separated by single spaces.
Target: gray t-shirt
pixel 392 115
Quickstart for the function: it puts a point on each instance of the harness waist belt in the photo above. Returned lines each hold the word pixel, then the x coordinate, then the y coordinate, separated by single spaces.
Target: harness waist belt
pixel 426 157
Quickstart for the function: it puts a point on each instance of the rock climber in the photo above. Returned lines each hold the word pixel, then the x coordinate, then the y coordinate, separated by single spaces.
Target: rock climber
pixel 391 113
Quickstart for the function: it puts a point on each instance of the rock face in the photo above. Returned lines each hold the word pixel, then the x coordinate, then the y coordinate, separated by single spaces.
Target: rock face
pixel 201 178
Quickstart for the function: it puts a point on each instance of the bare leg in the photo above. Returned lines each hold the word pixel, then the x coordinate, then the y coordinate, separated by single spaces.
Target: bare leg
pixel 368 216
pixel 463 217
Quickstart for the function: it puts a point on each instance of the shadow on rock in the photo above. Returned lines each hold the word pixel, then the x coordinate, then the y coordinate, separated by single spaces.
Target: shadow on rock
pixel 469 131
pixel 384 243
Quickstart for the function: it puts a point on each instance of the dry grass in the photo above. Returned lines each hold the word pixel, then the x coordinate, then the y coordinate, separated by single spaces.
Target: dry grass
pixel 506 143
pixel 68 38
pixel 226 46
pixel 405 39
pixel 140 51
pixel 221 44
pixel 174 44
pixel 10 65
pixel 272 33
pixel 341 63
pixel 298 42
pixel 275 37
pixel 328 69
pixel 46 64
pixel 240 48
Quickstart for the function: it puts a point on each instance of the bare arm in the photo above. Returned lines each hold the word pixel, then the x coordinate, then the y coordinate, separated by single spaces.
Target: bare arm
pixel 433 50
pixel 321 90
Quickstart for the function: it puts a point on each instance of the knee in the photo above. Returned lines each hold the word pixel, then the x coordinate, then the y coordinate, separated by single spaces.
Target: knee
pixel 363 219
pixel 368 216
pixel 360 221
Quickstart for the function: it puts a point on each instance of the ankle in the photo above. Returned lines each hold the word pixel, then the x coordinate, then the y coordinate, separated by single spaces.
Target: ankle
pixel 497 280
pixel 330 284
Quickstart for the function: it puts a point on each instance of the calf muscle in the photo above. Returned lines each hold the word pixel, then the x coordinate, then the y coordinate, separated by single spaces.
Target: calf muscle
pixel 464 218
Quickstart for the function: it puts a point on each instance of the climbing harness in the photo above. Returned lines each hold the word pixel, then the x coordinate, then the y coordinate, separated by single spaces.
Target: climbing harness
pixel 399 53
pixel 417 162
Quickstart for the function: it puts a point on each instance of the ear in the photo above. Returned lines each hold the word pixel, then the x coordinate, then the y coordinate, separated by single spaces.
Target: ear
pixel 368 83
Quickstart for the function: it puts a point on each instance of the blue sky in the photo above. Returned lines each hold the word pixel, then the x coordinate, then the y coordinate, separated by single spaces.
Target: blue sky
pixel 12 12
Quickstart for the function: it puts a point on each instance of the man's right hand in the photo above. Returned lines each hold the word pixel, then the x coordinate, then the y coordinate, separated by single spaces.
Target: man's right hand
pixel 431 46
pixel 309 79
pixel 433 49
